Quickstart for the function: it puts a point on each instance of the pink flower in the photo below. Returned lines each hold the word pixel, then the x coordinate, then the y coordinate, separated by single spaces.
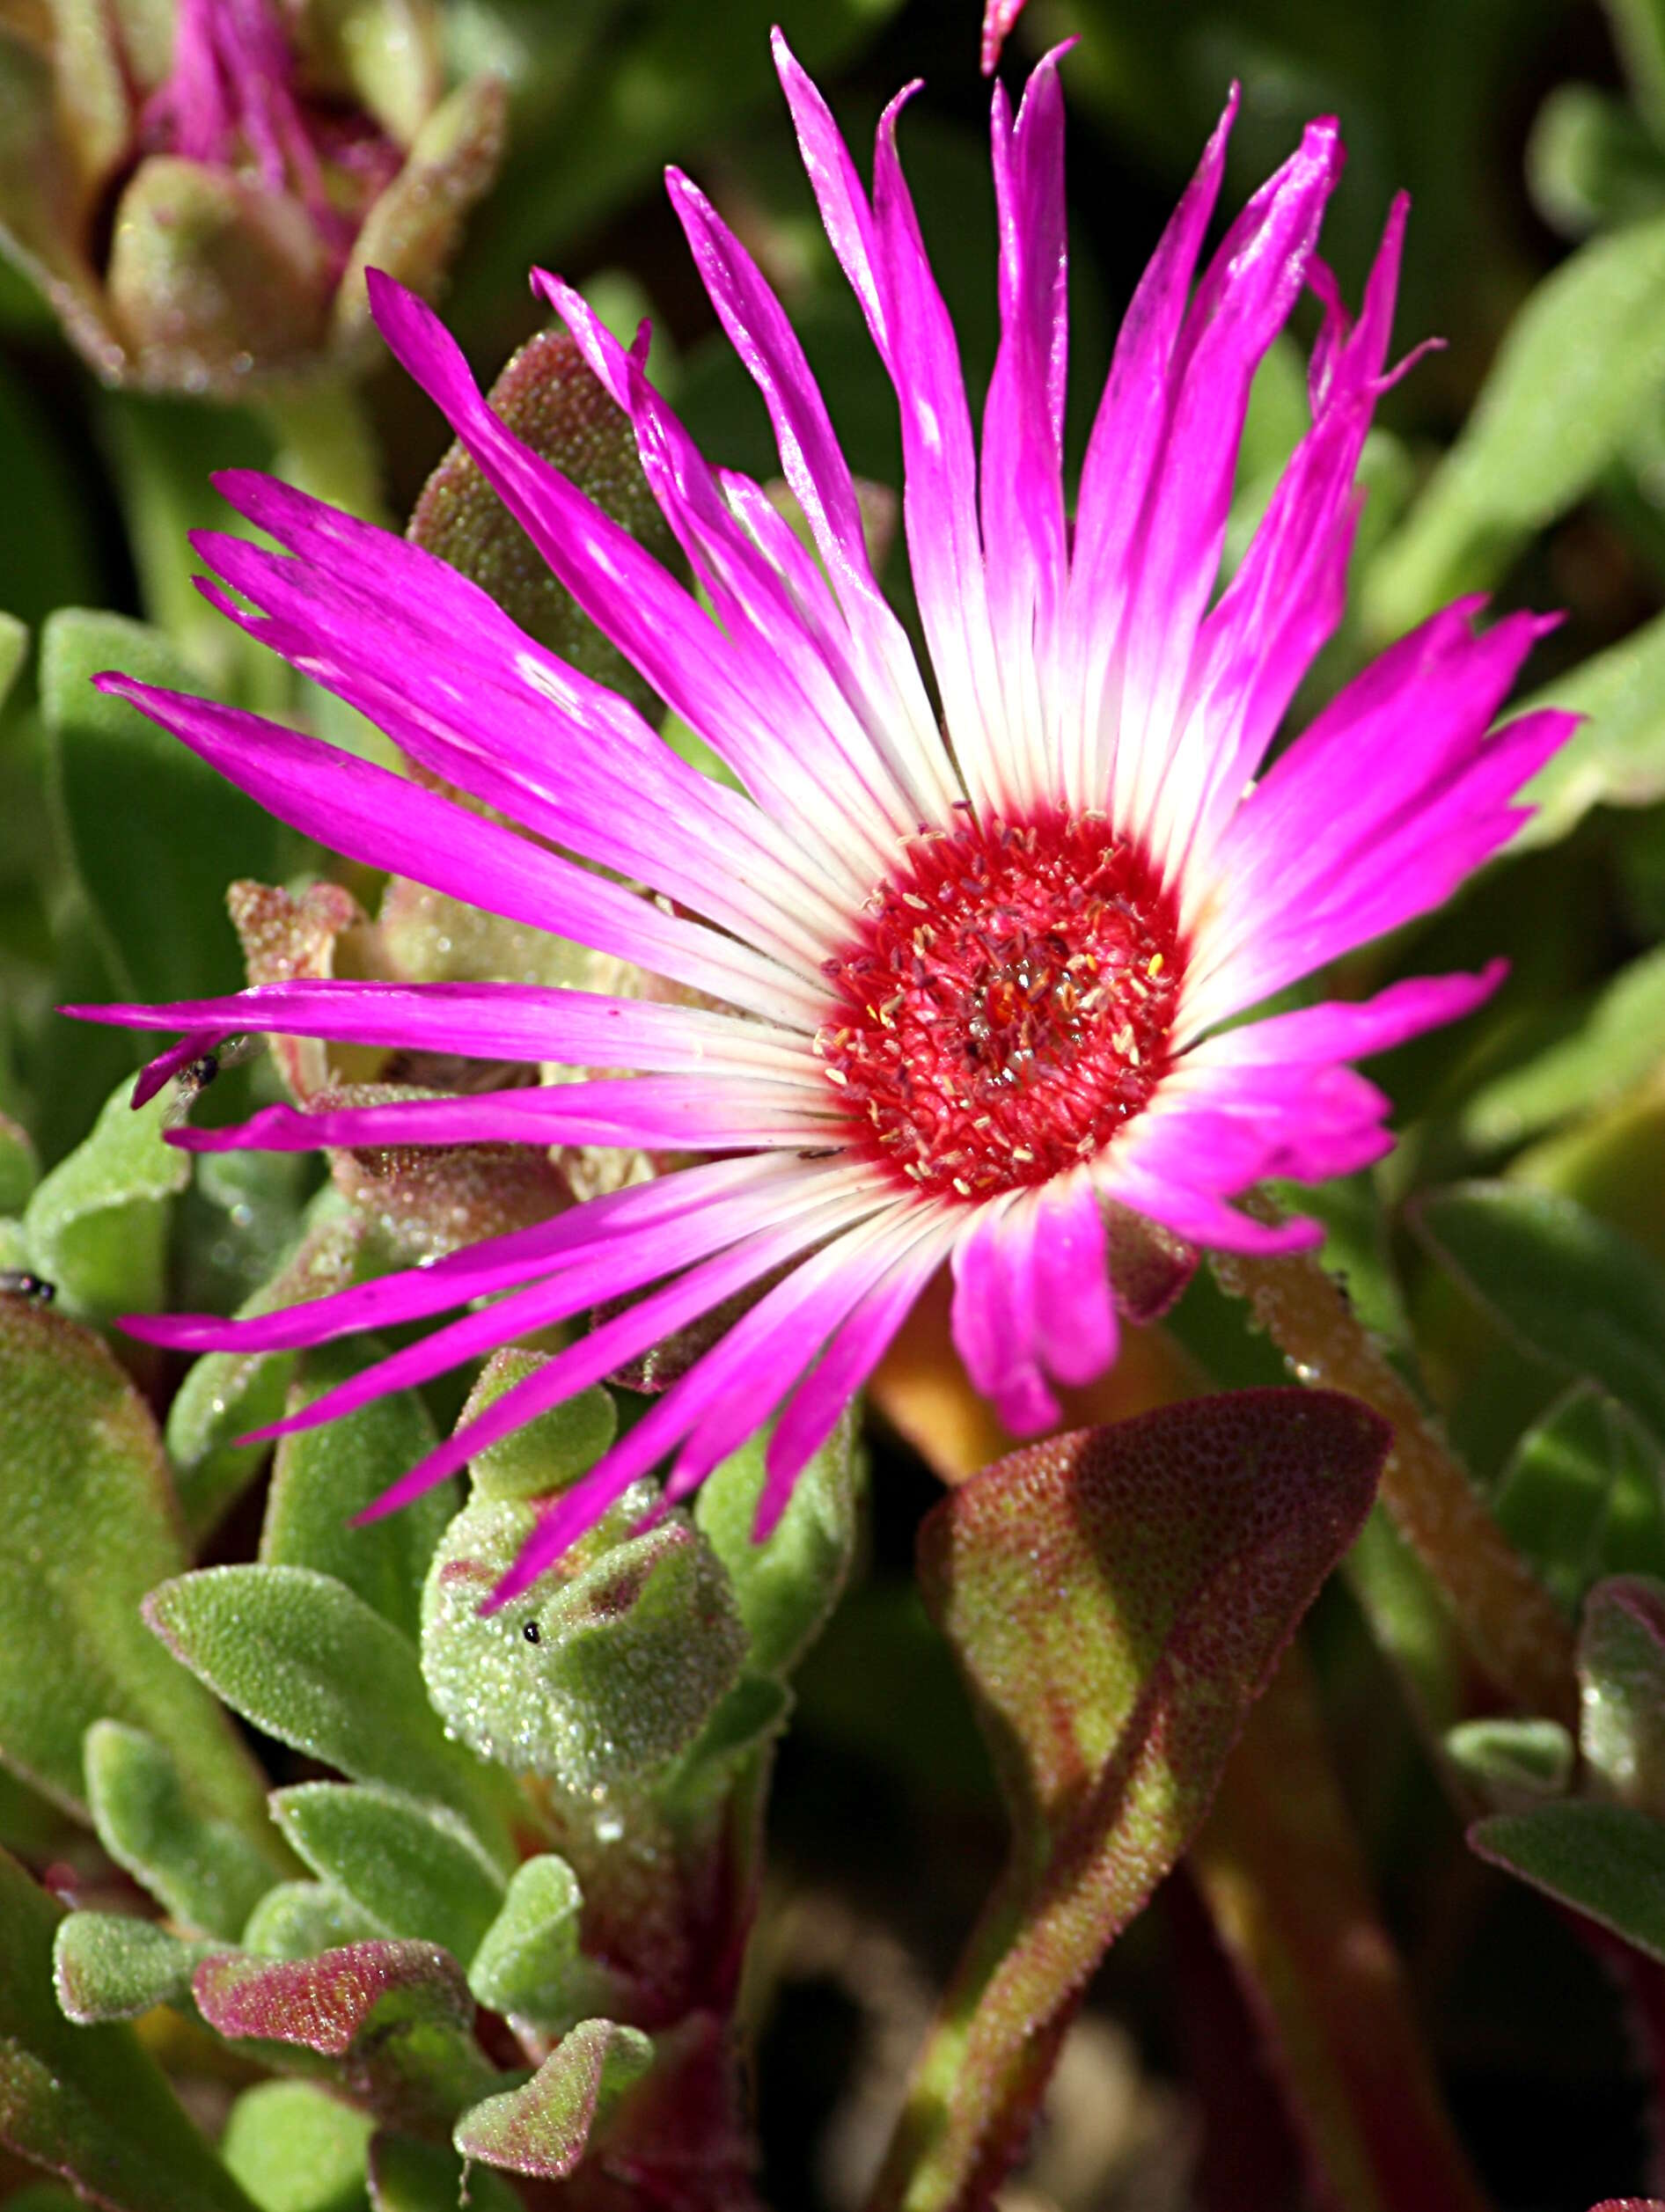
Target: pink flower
pixel 230 102
pixel 977 968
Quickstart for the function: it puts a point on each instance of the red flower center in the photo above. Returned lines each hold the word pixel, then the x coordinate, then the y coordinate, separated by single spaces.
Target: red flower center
pixel 1005 1005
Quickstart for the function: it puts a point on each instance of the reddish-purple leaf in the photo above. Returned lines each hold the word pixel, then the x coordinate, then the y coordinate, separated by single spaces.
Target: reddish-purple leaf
pixel 396 2018
pixel 545 2128
pixel 1116 1599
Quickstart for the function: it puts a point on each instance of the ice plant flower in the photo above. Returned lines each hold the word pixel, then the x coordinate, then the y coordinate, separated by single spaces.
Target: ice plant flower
pixel 204 195
pixel 964 981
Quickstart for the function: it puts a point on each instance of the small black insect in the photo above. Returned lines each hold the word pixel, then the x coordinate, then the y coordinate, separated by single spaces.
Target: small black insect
pixel 35 1290
pixel 530 1631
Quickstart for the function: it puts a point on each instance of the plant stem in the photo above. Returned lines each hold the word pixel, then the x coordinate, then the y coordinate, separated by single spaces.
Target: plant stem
pixel 1517 1632
pixel 1284 1880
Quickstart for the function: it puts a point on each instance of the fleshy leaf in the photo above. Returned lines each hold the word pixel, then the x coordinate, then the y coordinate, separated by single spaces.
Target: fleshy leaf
pixel 1574 378
pixel 322 1476
pixel 1606 1861
pixel 296 2149
pixel 307 1660
pixel 409 2176
pixel 412 229
pixel 1512 1763
pixel 154 833
pixel 551 398
pixel 1622 1669
pixel 1582 1495
pixel 97 1225
pixel 604 1669
pixel 546 2128
pixel 787 1586
pixel 298 1920
pixel 111 1967
pixel 225 1393
pixel 396 2018
pixel 1572 1291
pixel 1615 756
pixel 210 271
pixel 1616 1040
pixel 19 1169
pixel 89 2103
pixel 1116 1600
pixel 90 1525
pixel 529 1964
pixel 547 1453
pixel 1592 162
pixel 205 1873
pixel 416 1871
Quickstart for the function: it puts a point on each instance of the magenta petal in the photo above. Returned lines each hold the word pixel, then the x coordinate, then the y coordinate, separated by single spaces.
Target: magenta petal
pixel 662 1113
pixel 372 816
pixel 1021 468
pixel 166 1066
pixel 883 257
pixel 491 1021
pixel 768 1349
pixel 476 1271
pixel 677 647
pixel 814 1409
pixel 1075 1312
pixel 994 1320
pixel 591 1277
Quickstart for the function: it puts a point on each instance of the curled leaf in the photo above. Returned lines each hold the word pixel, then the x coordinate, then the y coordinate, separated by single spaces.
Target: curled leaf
pixel 546 2128
pixel 396 2018
pixel 1116 1600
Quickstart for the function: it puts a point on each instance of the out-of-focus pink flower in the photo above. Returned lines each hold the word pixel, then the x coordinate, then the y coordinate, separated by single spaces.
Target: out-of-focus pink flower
pixel 969 970
pixel 204 222
pixel 998 18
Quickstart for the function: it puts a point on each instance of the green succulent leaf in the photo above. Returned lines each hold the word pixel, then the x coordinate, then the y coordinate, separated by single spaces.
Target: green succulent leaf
pixel 1512 1763
pixel 18 1167
pixel 298 1920
pixel 415 1869
pixel 321 1477
pixel 528 1964
pixel 89 2103
pixel 1591 162
pixel 786 1586
pixel 96 1226
pixel 1616 1039
pixel 409 2176
pixel 227 1394
pixel 601 1672
pixel 1572 1291
pixel 546 2128
pixel 1582 1495
pixel 306 1660
pixel 1622 1675
pixel 1573 377
pixel 296 2149
pixel 204 1873
pixel 154 833
pixel 396 2018
pixel 547 1455
pixel 111 1967
pixel 1606 1861
pixel 1616 757
pixel 91 1525
pixel 1116 1600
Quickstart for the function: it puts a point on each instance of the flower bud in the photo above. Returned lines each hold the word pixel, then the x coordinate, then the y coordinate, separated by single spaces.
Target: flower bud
pixel 199 209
